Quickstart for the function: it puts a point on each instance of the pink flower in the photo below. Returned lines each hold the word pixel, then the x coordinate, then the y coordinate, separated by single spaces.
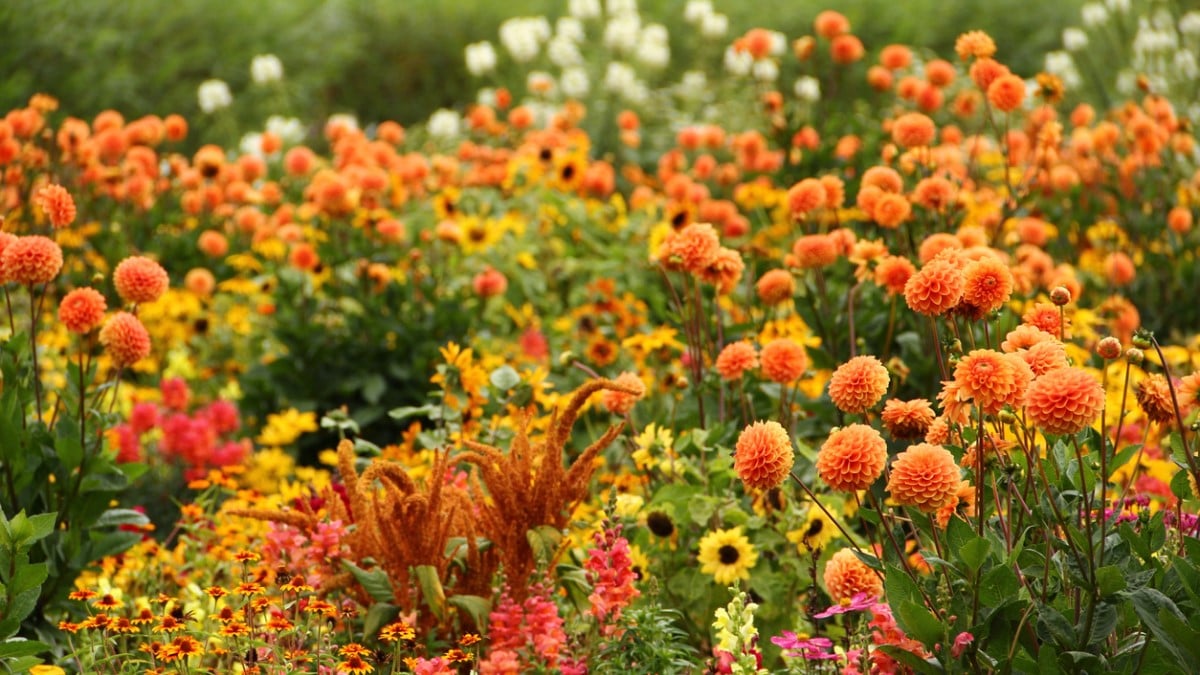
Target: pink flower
pixel 859 602
pixel 610 569
pixel 143 417
pixel 811 649
pixel 175 393
pixel 961 642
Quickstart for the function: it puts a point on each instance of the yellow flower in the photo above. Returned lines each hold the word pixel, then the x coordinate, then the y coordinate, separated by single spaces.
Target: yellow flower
pixel 284 428
pixel 653 443
pixel 815 533
pixel 46 670
pixel 727 555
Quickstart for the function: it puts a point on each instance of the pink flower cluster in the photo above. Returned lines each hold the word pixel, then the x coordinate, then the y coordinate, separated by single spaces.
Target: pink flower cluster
pixel 610 570
pixel 522 633
pixel 314 556
pixel 199 440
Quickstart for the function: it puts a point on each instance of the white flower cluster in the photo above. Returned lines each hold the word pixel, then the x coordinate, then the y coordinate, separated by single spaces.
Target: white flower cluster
pixel 213 95
pixel 621 79
pixel 1061 64
pixel 622 31
pixel 481 58
pixel 523 36
pixel 584 9
pixel 266 68
pixel 1189 24
pixel 289 129
pixel 700 14
pixel 808 88
pixel 654 49
pixel 1074 39
pixel 444 123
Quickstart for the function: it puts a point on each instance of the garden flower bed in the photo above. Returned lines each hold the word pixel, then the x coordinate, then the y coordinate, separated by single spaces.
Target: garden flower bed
pixel 890 368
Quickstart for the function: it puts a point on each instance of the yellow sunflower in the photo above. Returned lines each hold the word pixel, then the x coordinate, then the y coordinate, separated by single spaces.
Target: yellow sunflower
pixel 727 555
pixel 815 533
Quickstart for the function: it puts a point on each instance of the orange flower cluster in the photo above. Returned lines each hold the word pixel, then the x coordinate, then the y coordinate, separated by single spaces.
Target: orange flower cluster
pixel 763 455
pixel 858 384
pixel 852 458
pixel 1064 400
pixel 924 476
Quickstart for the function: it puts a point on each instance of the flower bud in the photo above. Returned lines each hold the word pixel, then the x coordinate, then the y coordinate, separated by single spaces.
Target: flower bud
pixel 1109 348
pixel 1141 341
pixel 1060 295
pixel 1135 356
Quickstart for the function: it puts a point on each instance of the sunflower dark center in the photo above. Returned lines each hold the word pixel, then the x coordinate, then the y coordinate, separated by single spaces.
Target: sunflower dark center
pixel 660 524
pixel 728 554
pixel 815 527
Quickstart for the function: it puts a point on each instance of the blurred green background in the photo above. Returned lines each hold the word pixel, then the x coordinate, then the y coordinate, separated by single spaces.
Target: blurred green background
pixel 393 59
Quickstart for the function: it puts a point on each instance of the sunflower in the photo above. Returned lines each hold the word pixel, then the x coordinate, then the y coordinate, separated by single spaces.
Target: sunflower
pixel 727 555
pixel 814 533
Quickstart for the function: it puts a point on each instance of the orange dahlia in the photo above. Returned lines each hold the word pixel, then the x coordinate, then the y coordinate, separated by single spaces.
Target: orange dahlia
pixel 725 270
pixel 82 309
pixel 1064 400
pixel 763 455
pixel 891 210
pixel 1045 356
pixel 992 379
pixel 58 204
pixel 893 272
pixel 852 458
pixel 140 280
pixel 1024 337
pixel 974 43
pixel 735 359
pixel 805 196
pixel 907 419
pixel 1154 397
pixel 1006 92
pixel 913 130
pixel 1047 317
pixel 783 360
pixel 621 402
pixel 935 289
pixel 858 384
pixel 938 432
pixel 125 339
pixel 775 287
pixel 1189 392
pixel 924 476
pixel 815 250
pixel 693 248
pixel 988 284
pixel 31 260
pixel 846 576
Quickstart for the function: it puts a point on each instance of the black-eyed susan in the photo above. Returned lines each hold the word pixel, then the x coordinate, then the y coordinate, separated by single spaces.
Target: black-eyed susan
pixel 814 533
pixel 727 555
pixel 397 630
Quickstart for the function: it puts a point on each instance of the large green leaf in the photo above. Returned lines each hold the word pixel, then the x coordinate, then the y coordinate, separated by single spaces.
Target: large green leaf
pixel 375 582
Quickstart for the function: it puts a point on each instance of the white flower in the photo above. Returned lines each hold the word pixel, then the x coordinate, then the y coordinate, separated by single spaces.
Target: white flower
pixel 653 54
pixel 251 144
pixel 289 129
pixel 570 28
pixel 1118 5
pixel 619 77
pixel 486 96
pixel 738 63
pixel 584 9
pixel 1185 64
pixel 1126 82
pixel 807 88
pixel 266 68
pixel 575 82
pixel 481 58
pixel 622 32
pixel 523 36
pixel 1062 65
pixel 345 120
pixel 714 26
pixel 563 52
pixel 622 7
pixel 695 10
pixel 655 32
pixel 1189 24
pixel 1094 14
pixel 213 95
pixel 540 83
pixel 1074 39
pixel 778 42
pixel 765 70
pixel 444 123
pixel 693 84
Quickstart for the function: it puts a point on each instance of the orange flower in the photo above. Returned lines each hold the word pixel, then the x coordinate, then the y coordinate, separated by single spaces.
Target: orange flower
pixel 1048 318
pixel 893 272
pixel 907 419
pixel 1006 92
pixel 935 289
pixel 125 339
pixel 913 130
pixel 1024 337
pixel 895 57
pixel 725 271
pixel 140 280
pixel 934 193
pixel 891 210
pixel 938 432
pixel 619 402
pixel 830 24
pixel 805 196
pixel 924 476
pixel 30 260
pixel 852 458
pixel 846 49
pixel 693 248
pixel 763 455
pixel 1064 400
pixel 986 71
pixel 489 282
pixel 988 284
pixel 846 576
pixel 992 379
pixel 58 204
pixel 1044 357
pixel 775 287
pixel 784 360
pixel 974 43
pixel 735 359
pixel 1154 397
pixel 883 177
pixel 815 250
pixel 212 243
pixel 1119 269
pixel 1188 391
pixel 81 310
pixel 858 384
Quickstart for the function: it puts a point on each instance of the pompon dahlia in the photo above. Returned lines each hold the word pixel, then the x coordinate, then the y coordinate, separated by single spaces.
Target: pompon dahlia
pixel 974 43
pixel 852 458
pixel 907 419
pixel 725 271
pixel 846 576
pixel 620 402
pixel 805 196
pixel 775 287
pixel 1045 356
pixel 913 130
pixel 988 284
pixel 31 260
pixel 783 360
pixel 140 280
pixel 893 272
pixel 82 309
pixel 1047 317
pixel 858 384
pixel 58 204
pixel 924 476
pixel 1024 337
pixel 1064 400
pixel 935 289
pixel 1154 398
pixel 992 379
pixel 763 455
pixel 815 250
pixel 735 359
pixel 692 249
pixel 125 339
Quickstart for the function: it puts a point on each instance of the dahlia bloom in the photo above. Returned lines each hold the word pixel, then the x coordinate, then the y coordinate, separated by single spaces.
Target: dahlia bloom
pixel 852 458
pixel 1064 400
pixel 846 576
pixel 858 384
pixel 140 280
pixel 783 360
pixel 763 455
pixel 82 309
pixel 924 476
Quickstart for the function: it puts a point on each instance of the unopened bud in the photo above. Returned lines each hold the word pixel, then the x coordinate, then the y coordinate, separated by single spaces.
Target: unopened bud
pixel 1141 340
pixel 803 47
pixel 1109 348
pixel 1134 356
pixel 1007 417
pixel 1060 295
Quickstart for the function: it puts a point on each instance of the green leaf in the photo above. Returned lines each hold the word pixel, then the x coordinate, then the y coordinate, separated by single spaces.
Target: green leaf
pixel 1109 580
pixel 379 615
pixel 113 517
pixel 375 582
pixel 701 508
pixel 544 540
pixel 869 560
pixel 411 411
pixel 41 526
pixel 975 552
pixel 504 378
pixel 19 647
pixel 28 577
pixel 919 622
pixel 998 585
pixel 431 590
pixel 476 607
pixel 374 388
pixel 21 606
pixel 907 658
pixel 1151 607
pixel 1051 622
pixel 1181 487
